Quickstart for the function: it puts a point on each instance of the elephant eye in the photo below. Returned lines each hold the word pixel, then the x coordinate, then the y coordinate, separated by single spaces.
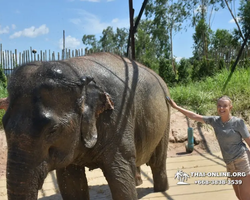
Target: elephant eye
pixel 51 132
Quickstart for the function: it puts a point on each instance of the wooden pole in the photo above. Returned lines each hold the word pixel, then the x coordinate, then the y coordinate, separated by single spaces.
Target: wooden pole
pixel 63 51
pixel 132 38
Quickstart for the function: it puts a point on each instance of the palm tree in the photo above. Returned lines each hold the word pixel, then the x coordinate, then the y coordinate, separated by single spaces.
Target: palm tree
pixel 185 177
pixel 179 175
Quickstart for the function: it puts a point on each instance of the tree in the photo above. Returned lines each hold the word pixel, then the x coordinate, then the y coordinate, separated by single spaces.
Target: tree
pixel 107 40
pixel 176 15
pixel 235 20
pixel 110 41
pixel 145 47
pixel 156 11
pixel 184 71
pixel 201 39
pixel 91 41
pixel 244 15
pixel 166 71
pixel 222 45
pixel 121 36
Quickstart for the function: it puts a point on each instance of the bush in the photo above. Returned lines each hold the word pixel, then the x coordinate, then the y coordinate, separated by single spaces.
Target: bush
pixel 184 71
pixel 203 69
pixel 221 64
pixel 3 79
pixel 166 72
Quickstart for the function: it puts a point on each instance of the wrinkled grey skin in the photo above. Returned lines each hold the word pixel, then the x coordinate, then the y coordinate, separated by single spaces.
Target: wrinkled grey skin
pixel 97 111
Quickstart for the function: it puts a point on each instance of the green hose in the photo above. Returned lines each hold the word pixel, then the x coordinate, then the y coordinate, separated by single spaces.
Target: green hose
pixel 190 144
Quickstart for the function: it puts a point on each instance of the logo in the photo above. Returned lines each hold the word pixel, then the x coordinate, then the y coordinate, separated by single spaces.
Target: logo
pixel 182 177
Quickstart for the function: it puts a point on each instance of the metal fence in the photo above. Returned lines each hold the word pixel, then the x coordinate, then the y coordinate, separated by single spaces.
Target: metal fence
pixel 9 59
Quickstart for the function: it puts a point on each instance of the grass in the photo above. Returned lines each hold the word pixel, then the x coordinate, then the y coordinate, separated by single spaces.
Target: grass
pixel 201 96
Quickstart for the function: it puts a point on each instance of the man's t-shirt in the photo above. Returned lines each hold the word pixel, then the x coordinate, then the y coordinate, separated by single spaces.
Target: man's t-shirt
pixel 229 136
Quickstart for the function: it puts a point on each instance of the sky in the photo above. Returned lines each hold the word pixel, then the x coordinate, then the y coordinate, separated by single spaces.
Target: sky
pixel 40 23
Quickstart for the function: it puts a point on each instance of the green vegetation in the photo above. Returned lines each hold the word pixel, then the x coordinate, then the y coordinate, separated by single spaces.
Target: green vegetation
pixel 3 91
pixel 3 78
pixel 201 96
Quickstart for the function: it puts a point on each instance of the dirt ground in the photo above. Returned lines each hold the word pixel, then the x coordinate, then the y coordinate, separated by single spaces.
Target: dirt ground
pixel 205 141
pixel 3 153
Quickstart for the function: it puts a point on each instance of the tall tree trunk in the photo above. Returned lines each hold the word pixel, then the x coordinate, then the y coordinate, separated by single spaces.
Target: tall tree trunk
pixel 235 20
pixel 171 46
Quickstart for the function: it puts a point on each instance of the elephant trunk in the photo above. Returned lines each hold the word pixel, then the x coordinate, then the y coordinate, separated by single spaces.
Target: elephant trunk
pixel 23 182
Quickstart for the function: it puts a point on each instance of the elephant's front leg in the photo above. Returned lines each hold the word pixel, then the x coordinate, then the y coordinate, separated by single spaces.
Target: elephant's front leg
pixel 73 183
pixel 120 174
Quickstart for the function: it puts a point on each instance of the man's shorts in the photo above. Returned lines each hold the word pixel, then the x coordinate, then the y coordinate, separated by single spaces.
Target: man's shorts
pixel 241 164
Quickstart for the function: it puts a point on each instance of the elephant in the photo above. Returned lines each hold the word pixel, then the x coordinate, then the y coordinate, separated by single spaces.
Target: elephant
pixel 95 111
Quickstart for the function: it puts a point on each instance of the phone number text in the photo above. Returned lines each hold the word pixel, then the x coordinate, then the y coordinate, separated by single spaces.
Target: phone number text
pixel 218 182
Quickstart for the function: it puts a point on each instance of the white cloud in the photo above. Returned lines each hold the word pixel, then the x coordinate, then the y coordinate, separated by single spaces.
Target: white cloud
pixel 177 59
pixel 92 24
pixel 76 21
pixel 4 30
pixel 31 32
pixel 70 42
pixel 232 20
pixel 13 26
pixel 115 20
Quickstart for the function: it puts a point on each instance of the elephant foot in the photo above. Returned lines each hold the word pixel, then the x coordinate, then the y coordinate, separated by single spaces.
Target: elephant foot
pixel 161 184
pixel 138 181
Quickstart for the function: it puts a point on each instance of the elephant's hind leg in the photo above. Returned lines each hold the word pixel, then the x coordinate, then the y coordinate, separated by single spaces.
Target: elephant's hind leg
pixel 158 166
pixel 73 183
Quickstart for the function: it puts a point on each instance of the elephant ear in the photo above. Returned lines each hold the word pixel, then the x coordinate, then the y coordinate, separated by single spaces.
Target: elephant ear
pixel 94 103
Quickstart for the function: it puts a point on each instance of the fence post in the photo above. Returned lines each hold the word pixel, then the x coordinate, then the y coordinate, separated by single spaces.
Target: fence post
pixel 3 59
pixel 45 55
pixel 10 60
pixel 20 62
pixel 23 58
pixel 53 56
pixel 16 57
pixel 13 61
